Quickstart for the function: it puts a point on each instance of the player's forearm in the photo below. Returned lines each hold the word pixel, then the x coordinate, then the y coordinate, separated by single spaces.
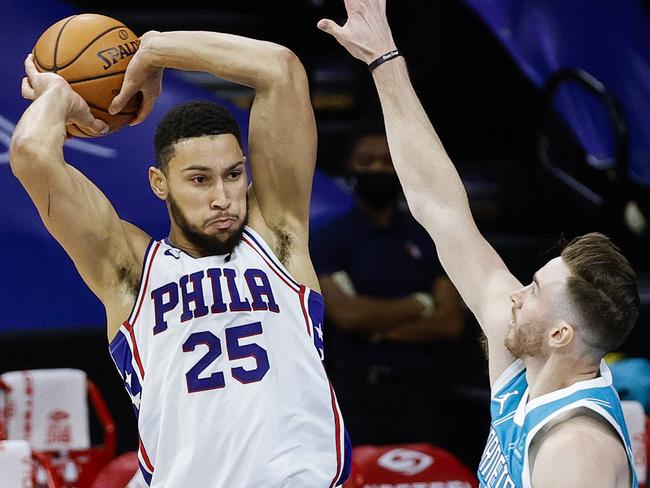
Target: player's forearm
pixel 250 62
pixel 430 181
pixel 37 141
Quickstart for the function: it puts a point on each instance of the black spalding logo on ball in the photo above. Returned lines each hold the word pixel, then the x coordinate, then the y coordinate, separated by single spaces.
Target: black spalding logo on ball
pixel 112 55
pixel 124 35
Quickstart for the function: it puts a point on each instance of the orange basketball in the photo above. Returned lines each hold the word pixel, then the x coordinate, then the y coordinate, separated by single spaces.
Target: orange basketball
pixel 91 52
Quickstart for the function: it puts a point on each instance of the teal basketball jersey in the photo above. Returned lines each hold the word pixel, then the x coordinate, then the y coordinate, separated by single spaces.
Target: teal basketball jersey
pixel 516 420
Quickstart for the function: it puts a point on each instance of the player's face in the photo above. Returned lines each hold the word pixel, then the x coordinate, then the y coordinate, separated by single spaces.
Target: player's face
pixel 535 310
pixel 207 188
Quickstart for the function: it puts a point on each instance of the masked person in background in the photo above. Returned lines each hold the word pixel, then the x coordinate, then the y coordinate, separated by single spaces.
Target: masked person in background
pixel 393 310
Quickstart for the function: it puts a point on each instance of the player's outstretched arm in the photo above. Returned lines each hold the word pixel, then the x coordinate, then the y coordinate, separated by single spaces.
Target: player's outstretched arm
pixel 72 208
pixel 431 184
pixel 282 129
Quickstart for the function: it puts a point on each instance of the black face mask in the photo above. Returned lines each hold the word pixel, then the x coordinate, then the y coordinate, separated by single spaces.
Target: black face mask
pixel 377 190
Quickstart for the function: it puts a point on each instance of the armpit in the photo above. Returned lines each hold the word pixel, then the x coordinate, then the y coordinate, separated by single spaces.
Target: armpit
pixel 129 280
pixel 283 243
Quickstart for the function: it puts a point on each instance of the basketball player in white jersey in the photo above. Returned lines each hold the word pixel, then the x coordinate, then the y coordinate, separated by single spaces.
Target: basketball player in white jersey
pixel 217 329
pixel 556 419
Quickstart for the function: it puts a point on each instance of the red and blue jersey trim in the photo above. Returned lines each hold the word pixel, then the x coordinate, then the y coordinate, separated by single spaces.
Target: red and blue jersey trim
pixel 254 241
pixel 149 257
pixel 126 356
pixel 146 468
pixel 343 445
pixel 313 309
pixel 124 347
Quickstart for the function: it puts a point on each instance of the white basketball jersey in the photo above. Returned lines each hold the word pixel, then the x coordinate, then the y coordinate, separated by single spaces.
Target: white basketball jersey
pixel 221 357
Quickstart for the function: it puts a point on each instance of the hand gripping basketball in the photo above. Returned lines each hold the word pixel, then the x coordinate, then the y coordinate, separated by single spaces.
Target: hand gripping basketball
pixel 143 77
pixel 79 114
pixel 91 52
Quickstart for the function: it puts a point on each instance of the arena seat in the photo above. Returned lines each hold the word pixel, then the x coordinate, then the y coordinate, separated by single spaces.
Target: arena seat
pixel 48 408
pixel 23 467
pixel 419 465
pixel 121 472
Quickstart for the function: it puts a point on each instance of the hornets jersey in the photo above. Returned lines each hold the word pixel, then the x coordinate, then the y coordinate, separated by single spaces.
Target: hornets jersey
pixel 515 421
pixel 221 357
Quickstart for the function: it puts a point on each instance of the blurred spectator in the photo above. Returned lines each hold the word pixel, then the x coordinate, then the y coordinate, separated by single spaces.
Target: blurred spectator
pixel 393 316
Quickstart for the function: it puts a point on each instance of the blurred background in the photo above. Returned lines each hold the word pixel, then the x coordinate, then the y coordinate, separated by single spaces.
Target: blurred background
pixel 542 104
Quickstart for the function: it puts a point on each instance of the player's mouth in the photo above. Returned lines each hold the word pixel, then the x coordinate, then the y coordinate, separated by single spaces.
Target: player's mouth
pixel 222 223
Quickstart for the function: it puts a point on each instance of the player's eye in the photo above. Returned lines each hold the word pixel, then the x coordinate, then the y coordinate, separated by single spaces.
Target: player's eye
pixel 199 179
pixel 234 174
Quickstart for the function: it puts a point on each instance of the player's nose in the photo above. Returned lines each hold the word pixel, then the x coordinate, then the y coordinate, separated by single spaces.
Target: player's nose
pixel 219 198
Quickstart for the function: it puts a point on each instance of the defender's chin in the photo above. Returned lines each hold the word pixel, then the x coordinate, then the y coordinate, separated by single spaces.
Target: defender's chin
pixel 510 340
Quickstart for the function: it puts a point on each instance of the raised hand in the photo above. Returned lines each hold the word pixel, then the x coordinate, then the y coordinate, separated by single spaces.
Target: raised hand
pixel 36 84
pixel 141 76
pixel 366 33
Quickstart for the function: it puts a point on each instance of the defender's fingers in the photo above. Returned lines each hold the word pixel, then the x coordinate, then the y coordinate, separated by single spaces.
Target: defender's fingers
pixel 330 27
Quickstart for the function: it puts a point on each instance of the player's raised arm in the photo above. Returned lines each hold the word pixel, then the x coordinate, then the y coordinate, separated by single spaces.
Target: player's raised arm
pixel 282 129
pixel 72 208
pixel 431 184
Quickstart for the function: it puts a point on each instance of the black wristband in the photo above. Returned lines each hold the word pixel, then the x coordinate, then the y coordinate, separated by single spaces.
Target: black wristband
pixel 383 58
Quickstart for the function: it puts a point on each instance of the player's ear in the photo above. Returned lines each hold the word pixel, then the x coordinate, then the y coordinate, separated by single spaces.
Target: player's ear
pixel 561 335
pixel 158 182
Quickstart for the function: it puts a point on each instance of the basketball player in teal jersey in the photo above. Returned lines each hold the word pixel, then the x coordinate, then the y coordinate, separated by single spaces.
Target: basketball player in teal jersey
pixel 556 419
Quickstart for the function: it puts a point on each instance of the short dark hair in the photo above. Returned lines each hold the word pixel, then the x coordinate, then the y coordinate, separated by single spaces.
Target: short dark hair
pixel 192 119
pixel 603 287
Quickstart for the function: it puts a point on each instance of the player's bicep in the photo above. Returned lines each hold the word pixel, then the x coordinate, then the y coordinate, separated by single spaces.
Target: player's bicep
pixel 282 146
pixel 83 221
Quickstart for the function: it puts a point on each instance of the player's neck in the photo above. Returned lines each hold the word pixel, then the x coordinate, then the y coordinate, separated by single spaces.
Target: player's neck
pixel 545 375
pixel 178 240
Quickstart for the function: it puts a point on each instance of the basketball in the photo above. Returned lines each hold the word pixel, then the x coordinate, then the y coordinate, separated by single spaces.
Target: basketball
pixel 91 52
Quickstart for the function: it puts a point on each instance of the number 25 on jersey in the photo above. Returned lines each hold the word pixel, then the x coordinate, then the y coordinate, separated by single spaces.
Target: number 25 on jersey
pixel 235 351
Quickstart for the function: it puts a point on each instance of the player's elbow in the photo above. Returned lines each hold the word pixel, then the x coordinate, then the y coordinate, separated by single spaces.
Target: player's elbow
pixel 286 69
pixel 418 202
pixel 422 209
pixel 24 155
pixel 287 61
